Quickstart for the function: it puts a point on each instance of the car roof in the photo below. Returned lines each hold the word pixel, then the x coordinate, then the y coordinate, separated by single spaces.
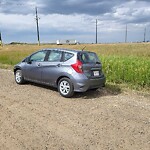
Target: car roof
pixel 64 49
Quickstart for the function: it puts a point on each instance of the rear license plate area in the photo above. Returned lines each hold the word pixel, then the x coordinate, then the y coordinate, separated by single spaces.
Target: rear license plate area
pixel 96 73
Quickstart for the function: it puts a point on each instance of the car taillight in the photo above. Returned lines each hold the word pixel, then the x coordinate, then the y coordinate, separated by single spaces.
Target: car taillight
pixel 77 67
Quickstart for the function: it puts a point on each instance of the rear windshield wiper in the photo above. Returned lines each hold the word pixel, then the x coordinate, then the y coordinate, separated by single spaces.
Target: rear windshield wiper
pixel 97 62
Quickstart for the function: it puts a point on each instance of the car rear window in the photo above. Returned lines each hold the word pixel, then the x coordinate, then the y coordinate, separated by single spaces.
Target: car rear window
pixel 88 57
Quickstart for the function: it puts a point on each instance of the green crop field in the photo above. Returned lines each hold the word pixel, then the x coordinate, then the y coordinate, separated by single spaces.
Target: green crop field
pixel 127 64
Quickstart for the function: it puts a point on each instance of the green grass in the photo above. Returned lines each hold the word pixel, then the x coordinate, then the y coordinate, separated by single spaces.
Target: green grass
pixel 122 63
pixel 132 70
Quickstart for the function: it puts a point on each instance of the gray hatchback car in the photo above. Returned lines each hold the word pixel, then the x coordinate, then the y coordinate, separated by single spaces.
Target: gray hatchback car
pixel 68 70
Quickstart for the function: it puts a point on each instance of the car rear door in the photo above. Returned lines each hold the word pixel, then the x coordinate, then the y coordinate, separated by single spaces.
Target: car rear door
pixel 52 67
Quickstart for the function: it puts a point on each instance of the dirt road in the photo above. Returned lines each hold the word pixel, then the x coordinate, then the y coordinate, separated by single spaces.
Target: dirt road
pixel 33 117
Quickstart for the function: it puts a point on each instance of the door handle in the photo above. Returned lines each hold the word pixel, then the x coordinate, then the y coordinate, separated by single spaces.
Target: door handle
pixel 58 65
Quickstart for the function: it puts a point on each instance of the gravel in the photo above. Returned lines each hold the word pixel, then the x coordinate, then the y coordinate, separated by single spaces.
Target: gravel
pixel 34 117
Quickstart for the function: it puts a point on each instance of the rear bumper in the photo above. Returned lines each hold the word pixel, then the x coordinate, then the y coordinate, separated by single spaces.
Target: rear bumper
pixel 85 84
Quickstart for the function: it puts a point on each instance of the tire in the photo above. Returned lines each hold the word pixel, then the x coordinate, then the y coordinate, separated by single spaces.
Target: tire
pixel 65 87
pixel 19 77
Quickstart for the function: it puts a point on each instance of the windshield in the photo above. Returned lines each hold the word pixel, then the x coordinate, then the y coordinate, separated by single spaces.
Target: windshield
pixel 88 57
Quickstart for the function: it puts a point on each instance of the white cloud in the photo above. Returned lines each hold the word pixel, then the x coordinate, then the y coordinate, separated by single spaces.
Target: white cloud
pixel 61 22
pixel 17 22
pixel 76 24
pixel 132 11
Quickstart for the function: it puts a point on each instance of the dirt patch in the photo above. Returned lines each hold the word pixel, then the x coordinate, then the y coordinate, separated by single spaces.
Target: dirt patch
pixel 37 118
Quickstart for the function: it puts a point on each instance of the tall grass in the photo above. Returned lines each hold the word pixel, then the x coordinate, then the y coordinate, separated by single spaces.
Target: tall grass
pixel 122 63
pixel 134 71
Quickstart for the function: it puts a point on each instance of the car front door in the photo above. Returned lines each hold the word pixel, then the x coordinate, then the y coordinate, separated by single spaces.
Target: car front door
pixel 34 66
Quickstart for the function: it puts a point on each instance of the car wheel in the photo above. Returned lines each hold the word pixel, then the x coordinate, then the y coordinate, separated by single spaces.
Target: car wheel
pixel 65 87
pixel 19 77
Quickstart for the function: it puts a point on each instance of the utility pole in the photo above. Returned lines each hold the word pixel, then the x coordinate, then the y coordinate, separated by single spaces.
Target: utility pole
pixel 37 25
pixel 145 35
pixel 126 34
pixel 1 43
pixel 96 31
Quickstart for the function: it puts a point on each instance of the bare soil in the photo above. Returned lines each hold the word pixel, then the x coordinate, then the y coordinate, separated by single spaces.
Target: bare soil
pixel 34 117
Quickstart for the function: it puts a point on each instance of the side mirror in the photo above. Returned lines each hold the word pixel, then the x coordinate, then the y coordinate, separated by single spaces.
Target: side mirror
pixel 29 61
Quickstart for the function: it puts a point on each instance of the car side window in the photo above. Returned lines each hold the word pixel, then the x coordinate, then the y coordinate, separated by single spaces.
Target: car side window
pixel 39 56
pixel 67 56
pixel 85 58
pixel 55 56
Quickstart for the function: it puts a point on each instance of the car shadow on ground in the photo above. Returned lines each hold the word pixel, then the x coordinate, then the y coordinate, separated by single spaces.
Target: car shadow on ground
pixel 42 86
pixel 108 90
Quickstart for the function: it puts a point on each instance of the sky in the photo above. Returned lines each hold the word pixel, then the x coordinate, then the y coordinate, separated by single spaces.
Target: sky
pixel 75 19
